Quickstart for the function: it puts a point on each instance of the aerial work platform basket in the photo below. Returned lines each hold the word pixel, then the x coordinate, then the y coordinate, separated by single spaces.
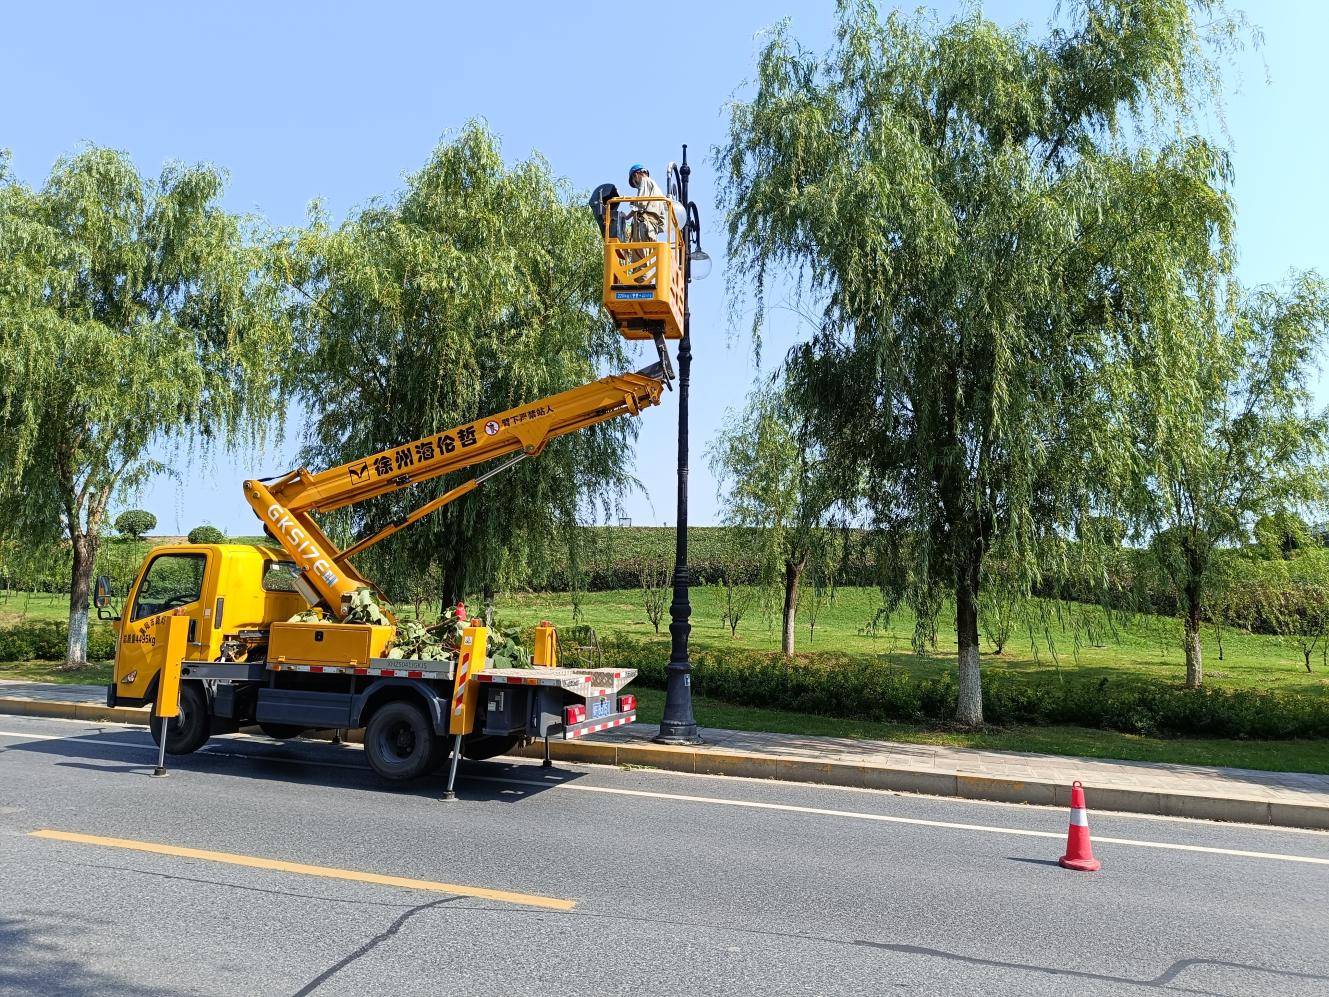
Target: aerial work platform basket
pixel 643 278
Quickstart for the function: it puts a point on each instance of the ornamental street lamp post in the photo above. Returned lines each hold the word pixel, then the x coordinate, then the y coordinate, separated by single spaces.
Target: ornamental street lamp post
pixel 678 726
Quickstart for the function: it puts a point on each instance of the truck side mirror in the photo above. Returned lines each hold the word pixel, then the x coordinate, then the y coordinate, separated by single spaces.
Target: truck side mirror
pixel 101 598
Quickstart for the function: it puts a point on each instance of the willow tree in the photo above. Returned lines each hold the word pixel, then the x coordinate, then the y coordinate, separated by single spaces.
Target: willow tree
pixel 1001 232
pixel 474 289
pixel 1243 445
pixel 131 319
pixel 776 488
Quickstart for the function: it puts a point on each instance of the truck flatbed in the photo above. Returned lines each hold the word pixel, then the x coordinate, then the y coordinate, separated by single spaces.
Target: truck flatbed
pixel 441 668
pixel 582 681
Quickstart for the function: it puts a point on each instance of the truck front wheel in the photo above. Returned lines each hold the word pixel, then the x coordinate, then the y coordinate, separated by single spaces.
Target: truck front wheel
pixel 399 741
pixel 187 732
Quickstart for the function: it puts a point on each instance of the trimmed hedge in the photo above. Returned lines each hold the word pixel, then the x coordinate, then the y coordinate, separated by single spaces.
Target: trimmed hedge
pixel 48 640
pixel 206 534
pixel 860 689
pixel 612 556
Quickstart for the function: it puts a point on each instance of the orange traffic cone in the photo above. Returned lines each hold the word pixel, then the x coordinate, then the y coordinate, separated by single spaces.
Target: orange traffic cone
pixel 1079 853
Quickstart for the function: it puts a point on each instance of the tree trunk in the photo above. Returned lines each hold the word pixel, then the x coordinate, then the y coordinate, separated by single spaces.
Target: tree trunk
pixel 969 702
pixel 793 570
pixel 1307 655
pixel 489 605
pixel 85 554
pixel 449 589
pixel 1191 642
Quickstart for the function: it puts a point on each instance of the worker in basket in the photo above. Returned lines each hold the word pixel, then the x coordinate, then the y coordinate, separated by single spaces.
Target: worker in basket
pixel 647 217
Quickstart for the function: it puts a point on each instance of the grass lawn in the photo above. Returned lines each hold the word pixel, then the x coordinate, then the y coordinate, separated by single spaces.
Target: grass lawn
pixel 1082 645
pixel 16 606
pixel 97 673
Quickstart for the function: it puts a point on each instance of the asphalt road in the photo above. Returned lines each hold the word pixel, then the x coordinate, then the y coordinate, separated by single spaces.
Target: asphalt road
pixel 607 881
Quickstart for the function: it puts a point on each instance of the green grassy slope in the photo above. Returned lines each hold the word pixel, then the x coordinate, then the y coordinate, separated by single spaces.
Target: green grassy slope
pixel 1142 646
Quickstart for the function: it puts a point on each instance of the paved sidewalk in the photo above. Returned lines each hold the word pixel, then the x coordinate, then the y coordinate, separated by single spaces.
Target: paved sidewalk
pixel 1283 798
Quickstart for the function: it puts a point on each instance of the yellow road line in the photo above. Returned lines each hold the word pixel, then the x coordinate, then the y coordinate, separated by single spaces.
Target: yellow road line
pixel 277 865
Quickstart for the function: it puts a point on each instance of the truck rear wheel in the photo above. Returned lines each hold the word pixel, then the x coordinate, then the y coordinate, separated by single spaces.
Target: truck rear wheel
pixel 187 732
pixel 400 741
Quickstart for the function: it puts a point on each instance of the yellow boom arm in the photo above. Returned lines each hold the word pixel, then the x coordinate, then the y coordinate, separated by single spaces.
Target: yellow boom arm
pixel 286 505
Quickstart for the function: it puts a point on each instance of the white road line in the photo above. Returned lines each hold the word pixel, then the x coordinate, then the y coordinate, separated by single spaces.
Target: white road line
pixel 749 804
pixel 76 720
pixel 69 737
pixel 731 779
pixel 138 746
pixel 37 737
pixel 890 819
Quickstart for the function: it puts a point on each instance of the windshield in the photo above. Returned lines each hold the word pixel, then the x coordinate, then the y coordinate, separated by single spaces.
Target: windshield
pixel 172 580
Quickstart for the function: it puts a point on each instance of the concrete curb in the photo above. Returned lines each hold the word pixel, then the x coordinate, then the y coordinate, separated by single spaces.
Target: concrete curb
pixel 22 707
pixel 714 761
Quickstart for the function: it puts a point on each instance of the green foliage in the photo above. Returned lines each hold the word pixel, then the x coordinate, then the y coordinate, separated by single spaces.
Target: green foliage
pixel 1242 443
pixel 1000 611
pixel 206 534
pixel 1003 260
pixel 738 600
pixel 610 557
pixel 862 689
pixel 119 560
pixel 46 567
pixel 34 567
pixel 364 608
pixel 1101 531
pixel 778 490
pixel 474 290
pixel 653 577
pixel 131 318
pixel 47 640
pixel 506 649
pixel 1282 534
pixel 417 642
pixel 1288 598
pixel 772 481
pixel 133 523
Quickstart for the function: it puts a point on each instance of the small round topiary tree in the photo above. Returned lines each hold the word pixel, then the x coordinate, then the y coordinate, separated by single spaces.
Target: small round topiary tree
pixel 134 523
pixel 206 534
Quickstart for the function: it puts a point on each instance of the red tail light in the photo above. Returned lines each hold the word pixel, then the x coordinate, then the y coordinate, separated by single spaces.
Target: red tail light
pixel 574 714
pixel 626 704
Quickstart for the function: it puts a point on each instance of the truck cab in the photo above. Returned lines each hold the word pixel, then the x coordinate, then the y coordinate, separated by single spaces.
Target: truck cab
pixel 244 662
pixel 222 588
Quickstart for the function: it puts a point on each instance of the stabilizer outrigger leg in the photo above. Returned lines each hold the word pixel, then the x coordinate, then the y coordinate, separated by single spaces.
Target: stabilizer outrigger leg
pixel 449 793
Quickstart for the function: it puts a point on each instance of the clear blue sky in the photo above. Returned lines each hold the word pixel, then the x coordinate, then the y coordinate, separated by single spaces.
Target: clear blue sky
pixel 338 101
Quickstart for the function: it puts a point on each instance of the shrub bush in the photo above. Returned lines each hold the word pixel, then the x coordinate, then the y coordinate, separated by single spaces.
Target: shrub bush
pixel 856 688
pixel 47 640
pixel 134 523
pixel 206 534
